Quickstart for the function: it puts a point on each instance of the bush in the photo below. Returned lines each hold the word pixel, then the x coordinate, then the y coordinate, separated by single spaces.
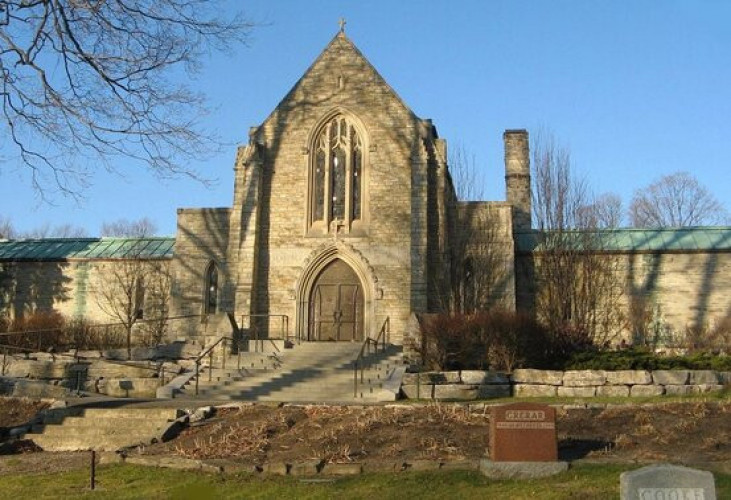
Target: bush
pixel 643 359
pixel 37 331
pixel 496 339
pixel 41 331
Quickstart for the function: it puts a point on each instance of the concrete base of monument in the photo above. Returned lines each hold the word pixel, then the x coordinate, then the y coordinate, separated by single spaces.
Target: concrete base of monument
pixel 521 470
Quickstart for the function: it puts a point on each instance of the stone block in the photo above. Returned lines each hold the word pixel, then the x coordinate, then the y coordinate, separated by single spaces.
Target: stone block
pixel 724 378
pixel 629 377
pixel 670 377
pixel 678 390
pixel 439 378
pixel 704 388
pixel 341 469
pixel 540 377
pixel 584 378
pixel 534 390
pixel 306 468
pixel 36 389
pixel 646 390
pixel 412 391
pixel 458 392
pixel 521 470
pixel 41 370
pixel 576 392
pixel 478 377
pixel 703 377
pixel 98 369
pixel 666 482
pixel 422 465
pixel 612 391
pixel 278 469
pixel 494 391
pixel 463 464
pixel 129 387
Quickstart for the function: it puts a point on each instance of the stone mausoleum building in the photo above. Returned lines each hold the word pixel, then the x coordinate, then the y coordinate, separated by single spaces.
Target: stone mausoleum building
pixel 345 218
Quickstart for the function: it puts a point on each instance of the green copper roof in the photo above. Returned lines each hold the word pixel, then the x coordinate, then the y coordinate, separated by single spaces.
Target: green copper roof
pixel 684 239
pixel 86 248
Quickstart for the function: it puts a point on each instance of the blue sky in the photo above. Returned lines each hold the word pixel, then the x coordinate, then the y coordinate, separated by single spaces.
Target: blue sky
pixel 635 89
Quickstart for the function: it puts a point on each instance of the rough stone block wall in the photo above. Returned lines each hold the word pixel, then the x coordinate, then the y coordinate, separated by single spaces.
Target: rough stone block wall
pixel 394 243
pixel 487 230
pixel 202 238
pixel 68 287
pixel 473 384
pixel 679 289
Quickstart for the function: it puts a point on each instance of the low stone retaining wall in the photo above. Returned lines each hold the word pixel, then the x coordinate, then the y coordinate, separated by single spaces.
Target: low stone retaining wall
pixel 472 384
pixel 46 375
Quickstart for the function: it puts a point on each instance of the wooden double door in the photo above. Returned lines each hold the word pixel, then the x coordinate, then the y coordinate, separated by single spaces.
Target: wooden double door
pixel 336 305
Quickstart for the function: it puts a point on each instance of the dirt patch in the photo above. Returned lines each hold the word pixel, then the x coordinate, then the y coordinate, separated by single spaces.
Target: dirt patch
pixel 18 411
pixel 253 435
pixel 681 432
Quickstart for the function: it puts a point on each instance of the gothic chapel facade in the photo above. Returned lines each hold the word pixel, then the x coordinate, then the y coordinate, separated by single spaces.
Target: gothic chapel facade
pixel 343 218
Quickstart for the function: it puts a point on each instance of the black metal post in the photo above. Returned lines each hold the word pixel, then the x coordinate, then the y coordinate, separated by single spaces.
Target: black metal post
pixel 92 479
pixel 197 374
pixel 355 379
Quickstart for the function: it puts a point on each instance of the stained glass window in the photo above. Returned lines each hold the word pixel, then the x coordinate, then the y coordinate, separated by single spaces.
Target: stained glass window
pixel 337 175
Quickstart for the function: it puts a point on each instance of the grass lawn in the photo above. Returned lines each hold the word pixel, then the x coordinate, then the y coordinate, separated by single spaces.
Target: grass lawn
pixel 128 481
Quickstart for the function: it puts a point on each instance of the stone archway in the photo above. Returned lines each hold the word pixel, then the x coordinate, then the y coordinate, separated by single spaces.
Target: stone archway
pixel 362 274
pixel 336 304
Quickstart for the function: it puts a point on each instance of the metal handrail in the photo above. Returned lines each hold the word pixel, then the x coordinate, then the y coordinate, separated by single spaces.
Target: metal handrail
pixel 46 331
pixel 209 352
pixel 284 330
pixel 384 337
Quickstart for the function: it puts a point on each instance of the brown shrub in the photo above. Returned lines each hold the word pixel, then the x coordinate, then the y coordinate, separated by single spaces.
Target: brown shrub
pixel 496 339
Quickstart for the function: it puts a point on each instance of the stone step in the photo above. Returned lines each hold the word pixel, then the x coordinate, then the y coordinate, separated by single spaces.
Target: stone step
pixel 64 443
pixel 308 372
pixel 101 428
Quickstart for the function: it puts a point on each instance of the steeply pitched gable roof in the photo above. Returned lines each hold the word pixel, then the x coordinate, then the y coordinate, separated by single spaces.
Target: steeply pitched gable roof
pixel 342 48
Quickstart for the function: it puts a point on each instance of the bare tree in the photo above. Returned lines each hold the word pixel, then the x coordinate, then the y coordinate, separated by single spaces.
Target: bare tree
pixel 607 211
pixel 475 270
pixel 87 80
pixel 676 200
pixel 577 289
pixel 133 287
pixel 7 230
pixel 60 231
pixel 465 178
pixel 131 229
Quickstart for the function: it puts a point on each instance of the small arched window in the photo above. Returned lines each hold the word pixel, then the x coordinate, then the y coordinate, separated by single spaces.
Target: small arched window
pixel 210 300
pixel 336 177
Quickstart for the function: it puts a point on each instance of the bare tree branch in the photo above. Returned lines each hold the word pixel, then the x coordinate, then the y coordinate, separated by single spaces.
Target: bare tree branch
pixel 676 200
pixel 131 229
pixel 84 81
pixel 577 290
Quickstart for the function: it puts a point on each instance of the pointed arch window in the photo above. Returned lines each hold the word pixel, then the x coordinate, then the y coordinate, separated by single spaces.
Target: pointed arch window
pixel 336 178
pixel 210 299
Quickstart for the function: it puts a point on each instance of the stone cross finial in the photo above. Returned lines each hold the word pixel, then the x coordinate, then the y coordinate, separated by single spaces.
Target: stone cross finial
pixel 342 22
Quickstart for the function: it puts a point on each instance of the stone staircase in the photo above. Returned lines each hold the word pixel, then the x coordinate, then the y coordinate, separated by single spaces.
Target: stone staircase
pixel 101 429
pixel 309 372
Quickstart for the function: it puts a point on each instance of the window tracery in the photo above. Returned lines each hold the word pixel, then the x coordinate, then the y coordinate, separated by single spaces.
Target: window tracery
pixel 336 178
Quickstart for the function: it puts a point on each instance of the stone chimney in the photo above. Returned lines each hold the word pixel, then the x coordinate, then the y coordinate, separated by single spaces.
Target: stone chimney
pixel 517 178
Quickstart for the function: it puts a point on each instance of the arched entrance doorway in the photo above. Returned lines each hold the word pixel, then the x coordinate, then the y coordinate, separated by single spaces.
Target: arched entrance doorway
pixel 336 304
